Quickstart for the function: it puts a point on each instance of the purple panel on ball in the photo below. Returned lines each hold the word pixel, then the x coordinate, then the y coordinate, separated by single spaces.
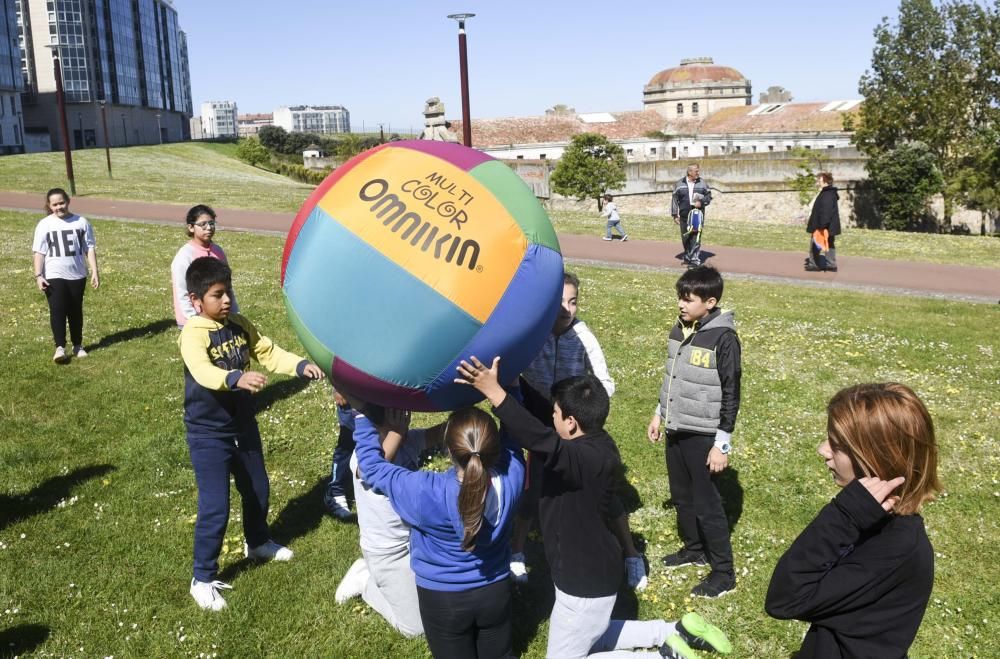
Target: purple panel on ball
pixel 460 156
pixel 367 388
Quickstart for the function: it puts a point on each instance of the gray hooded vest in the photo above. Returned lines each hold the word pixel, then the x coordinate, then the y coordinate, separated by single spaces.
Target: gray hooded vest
pixel 691 395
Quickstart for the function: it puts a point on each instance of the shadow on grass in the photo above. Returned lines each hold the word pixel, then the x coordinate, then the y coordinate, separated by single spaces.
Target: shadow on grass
pixel 46 495
pixel 704 255
pixel 300 517
pixel 22 639
pixel 279 391
pixel 150 329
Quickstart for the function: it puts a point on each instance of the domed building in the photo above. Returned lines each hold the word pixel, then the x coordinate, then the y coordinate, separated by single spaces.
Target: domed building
pixel 695 89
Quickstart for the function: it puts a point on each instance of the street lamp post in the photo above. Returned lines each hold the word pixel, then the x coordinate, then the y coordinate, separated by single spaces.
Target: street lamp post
pixel 107 138
pixel 463 63
pixel 79 125
pixel 61 102
pixel 159 130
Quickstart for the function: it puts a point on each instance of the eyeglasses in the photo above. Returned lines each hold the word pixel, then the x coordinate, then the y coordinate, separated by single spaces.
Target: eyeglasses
pixel 205 225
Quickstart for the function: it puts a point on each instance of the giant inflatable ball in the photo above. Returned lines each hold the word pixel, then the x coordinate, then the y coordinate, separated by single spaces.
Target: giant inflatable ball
pixel 413 256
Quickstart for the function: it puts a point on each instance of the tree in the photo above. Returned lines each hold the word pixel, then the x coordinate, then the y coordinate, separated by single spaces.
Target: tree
pixel 251 151
pixel 348 146
pixel 928 83
pixel 904 179
pixel 590 166
pixel 977 185
pixel 811 163
pixel 273 137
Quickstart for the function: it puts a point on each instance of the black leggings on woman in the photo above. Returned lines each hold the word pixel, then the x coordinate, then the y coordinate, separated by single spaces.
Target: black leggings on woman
pixel 66 303
pixel 468 624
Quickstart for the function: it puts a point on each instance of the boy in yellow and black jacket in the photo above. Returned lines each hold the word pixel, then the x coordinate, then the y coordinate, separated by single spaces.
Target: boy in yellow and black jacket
pixel 222 433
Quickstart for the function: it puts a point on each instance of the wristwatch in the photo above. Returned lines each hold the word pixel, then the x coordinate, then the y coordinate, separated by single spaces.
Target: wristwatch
pixel 724 447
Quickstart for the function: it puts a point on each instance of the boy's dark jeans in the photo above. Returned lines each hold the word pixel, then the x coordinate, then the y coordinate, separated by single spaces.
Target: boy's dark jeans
pixel 340 470
pixel 701 519
pixel 213 461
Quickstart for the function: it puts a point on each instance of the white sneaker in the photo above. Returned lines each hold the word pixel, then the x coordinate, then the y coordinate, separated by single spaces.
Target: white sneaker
pixel 269 551
pixel 353 583
pixel 605 238
pixel 636 573
pixel 79 352
pixel 518 570
pixel 60 356
pixel 207 595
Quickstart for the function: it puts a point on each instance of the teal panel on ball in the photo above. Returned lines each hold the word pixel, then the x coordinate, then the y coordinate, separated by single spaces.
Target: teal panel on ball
pixel 367 310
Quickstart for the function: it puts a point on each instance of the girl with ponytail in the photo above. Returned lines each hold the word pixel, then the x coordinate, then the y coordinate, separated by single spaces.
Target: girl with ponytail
pixel 460 525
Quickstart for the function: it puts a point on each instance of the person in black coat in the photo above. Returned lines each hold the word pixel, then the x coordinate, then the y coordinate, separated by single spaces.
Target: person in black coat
pixel 862 572
pixel 824 215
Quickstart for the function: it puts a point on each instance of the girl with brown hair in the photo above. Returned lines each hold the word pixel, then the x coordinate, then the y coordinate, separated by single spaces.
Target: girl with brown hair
pixel 861 573
pixel 460 533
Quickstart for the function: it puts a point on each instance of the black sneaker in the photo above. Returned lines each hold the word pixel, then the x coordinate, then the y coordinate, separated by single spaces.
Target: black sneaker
pixel 684 558
pixel 716 584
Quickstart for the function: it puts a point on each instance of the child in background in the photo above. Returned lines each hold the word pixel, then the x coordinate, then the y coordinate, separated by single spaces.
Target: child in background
pixel 222 433
pixel 699 400
pixel 62 240
pixel 383 576
pixel 335 498
pixel 582 468
pixel 861 573
pixel 570 349
pixel 460 533
pixel 614 221
pixel 200 223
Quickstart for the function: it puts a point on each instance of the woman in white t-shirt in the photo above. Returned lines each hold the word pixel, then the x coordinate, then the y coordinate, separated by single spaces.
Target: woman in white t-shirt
pixel 61 242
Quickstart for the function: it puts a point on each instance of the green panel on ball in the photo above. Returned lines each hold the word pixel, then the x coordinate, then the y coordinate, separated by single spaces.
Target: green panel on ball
pixel 519 201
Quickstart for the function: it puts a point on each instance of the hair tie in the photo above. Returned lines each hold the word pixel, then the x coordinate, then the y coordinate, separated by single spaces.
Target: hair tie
pixel 475 453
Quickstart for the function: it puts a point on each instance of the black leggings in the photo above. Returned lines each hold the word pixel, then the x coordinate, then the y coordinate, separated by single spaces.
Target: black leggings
pixel 468 624
pixel 66 303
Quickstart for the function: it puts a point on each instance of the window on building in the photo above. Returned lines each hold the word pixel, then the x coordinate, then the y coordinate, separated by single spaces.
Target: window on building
pixel 788 147
pixel 541 156
pixel 673 152
pixel 680 109
pixel 808 148
pixel 628 152
pixel 829 146
pixel 770 147
pixel 685 152
pixel 704 150
pixel 694 108
pixel 738 148
pixel 520 157
pixel 754 147
pixel 652 151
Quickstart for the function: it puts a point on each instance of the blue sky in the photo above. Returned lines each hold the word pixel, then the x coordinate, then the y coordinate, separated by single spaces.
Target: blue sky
pixel 382 59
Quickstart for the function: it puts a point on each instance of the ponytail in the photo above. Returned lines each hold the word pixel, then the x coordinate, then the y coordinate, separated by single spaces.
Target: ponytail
pixel 474 444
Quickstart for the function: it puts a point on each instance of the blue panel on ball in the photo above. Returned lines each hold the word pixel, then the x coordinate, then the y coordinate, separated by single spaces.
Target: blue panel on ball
pixel 515 330
pixel 402 334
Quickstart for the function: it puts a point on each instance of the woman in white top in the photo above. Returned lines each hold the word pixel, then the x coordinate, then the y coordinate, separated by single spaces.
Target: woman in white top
pixel 61 242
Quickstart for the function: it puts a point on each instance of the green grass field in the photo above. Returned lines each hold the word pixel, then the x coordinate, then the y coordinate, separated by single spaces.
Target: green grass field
pixel 209 173
pixel 97 496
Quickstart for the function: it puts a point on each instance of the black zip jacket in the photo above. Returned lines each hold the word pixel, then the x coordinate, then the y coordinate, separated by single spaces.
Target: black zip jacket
pixel 577 502
pixel 862 577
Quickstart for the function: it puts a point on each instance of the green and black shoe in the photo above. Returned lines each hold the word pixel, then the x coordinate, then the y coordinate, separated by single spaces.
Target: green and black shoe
pixel 700 634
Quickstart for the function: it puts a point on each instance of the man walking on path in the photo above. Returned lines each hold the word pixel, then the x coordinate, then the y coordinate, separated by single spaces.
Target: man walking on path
pixel 690 192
